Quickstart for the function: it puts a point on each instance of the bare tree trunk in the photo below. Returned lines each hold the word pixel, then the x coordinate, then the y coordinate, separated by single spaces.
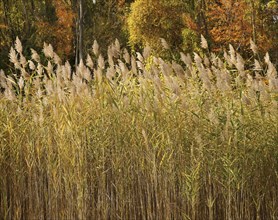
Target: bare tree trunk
pixel 253 20
pixel 81 30
pixel 79 33
pixel 76 42
pixel 33 5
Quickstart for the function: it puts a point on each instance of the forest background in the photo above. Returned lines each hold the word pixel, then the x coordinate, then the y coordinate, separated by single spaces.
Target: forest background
pixel 71 26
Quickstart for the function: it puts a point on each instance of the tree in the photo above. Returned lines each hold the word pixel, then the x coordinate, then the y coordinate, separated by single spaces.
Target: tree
pixel 227 24
pixel 266 26
pixel 58 30
pixel 151 20
pixel 237 21
pixel 79 33
pixel 15 20
pixel 104 22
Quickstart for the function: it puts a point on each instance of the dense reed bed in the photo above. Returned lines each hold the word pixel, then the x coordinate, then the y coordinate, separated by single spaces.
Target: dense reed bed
pixel 137 137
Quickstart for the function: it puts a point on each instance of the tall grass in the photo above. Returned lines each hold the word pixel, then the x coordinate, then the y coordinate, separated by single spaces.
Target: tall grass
pixel 138 137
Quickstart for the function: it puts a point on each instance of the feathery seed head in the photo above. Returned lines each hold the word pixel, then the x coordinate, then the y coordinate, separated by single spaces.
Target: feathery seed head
pixel 147 52
pixel 21 83
pixel 18 45
pixel 123 68
pixel 197 59
pixel 133 65
pixel 22 60
pixel 140 65
pixel 24 73
pixel 239 62
pixel 110 73
pixel 110 60
pixel 48 50
pixel 39 69
pixel 204 43
pixel 117 46
pixel 101 63
pixel 228 59
pixel 214 59
pixel 81 67
pixel 267 58
pixel 95 48
pixel 178 69
pixel 206 61
pixel 140 57
pixel 9 94
pixel 49 68
pixel 220 63
pixel 13 56
pixel 273 84
pixel 257 65
pixel 87 75
pixel 99 75
pixel 68 70
pixel 57 60
pixel 89 62
pixel 31 65
pixel 253 47
pixel 35 56
pixel 165 68
pixel 164 44
pixel 232 53
pixel 49 86
pixel 126 56
pixel 186 59
pixel 3 82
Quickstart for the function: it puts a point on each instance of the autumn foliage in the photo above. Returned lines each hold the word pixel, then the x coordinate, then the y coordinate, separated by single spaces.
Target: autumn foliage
pixel 227 24
pixel 61 30
pixel 137 23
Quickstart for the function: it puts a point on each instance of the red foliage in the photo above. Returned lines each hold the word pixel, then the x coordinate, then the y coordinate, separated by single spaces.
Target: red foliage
pixel 64 27
pixel 227 23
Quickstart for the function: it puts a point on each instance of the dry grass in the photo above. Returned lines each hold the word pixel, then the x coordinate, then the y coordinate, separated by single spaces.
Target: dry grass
pixel 142 139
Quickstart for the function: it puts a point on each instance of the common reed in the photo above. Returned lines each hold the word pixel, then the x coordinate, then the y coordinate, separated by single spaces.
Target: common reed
pixel 136 137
